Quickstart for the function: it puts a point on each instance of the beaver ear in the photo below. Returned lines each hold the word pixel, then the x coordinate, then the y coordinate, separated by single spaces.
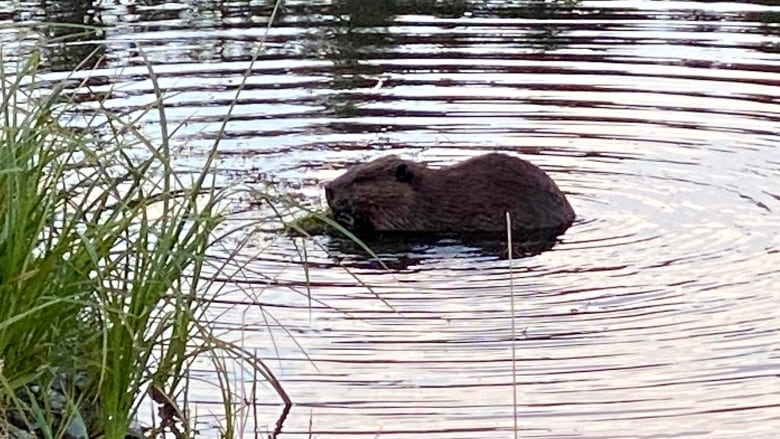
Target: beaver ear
pixel 403 174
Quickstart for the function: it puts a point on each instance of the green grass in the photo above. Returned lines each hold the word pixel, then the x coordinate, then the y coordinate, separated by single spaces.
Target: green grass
pixel 315 222
pixel 101 256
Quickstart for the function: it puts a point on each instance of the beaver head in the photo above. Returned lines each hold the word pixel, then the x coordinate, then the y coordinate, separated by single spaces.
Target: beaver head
pixel 378 196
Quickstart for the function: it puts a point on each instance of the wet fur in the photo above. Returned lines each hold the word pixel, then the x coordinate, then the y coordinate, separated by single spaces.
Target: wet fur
pixel 390 194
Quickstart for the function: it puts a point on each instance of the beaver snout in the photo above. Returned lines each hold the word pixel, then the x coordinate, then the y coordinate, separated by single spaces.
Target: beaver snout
pixel 328 193
pixel 342 209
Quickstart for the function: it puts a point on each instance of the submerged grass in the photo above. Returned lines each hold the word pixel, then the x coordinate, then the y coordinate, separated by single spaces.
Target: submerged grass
pixel 101 256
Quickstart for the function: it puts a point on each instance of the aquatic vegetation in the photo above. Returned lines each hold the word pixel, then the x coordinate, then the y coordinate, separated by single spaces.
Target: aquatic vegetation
pixel 317 222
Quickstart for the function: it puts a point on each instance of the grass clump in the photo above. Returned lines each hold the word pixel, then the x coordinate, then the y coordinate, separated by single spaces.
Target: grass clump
pixel 315 222
pixel 101 257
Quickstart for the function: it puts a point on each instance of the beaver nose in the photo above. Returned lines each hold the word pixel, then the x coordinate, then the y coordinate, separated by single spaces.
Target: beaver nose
pixel 328 193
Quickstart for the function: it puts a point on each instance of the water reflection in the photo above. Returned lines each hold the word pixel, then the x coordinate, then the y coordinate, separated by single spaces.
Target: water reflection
pixel 358 32
pixel 404 250
pixel 75 40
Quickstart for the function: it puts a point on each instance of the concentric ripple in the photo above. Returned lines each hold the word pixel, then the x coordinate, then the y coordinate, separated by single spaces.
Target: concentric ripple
pixel 656 315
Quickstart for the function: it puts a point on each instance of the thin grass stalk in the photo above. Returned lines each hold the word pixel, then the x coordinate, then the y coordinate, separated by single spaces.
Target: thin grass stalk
pixel 512 320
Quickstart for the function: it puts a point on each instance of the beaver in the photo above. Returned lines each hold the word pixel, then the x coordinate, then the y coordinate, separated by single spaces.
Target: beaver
pixel 391 194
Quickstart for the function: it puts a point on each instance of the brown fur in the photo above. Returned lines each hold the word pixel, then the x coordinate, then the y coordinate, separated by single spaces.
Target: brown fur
pixel 390 194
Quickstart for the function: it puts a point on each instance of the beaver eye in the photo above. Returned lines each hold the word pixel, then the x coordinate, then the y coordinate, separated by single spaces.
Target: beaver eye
pixel 403 174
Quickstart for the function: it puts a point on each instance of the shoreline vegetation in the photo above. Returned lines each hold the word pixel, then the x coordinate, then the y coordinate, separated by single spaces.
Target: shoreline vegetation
pixel 103 270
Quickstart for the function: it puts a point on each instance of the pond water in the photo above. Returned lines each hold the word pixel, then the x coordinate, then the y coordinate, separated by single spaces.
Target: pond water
pixel 656 315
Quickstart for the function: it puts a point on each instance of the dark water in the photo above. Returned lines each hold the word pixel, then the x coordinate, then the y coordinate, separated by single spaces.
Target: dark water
pixel 657 314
